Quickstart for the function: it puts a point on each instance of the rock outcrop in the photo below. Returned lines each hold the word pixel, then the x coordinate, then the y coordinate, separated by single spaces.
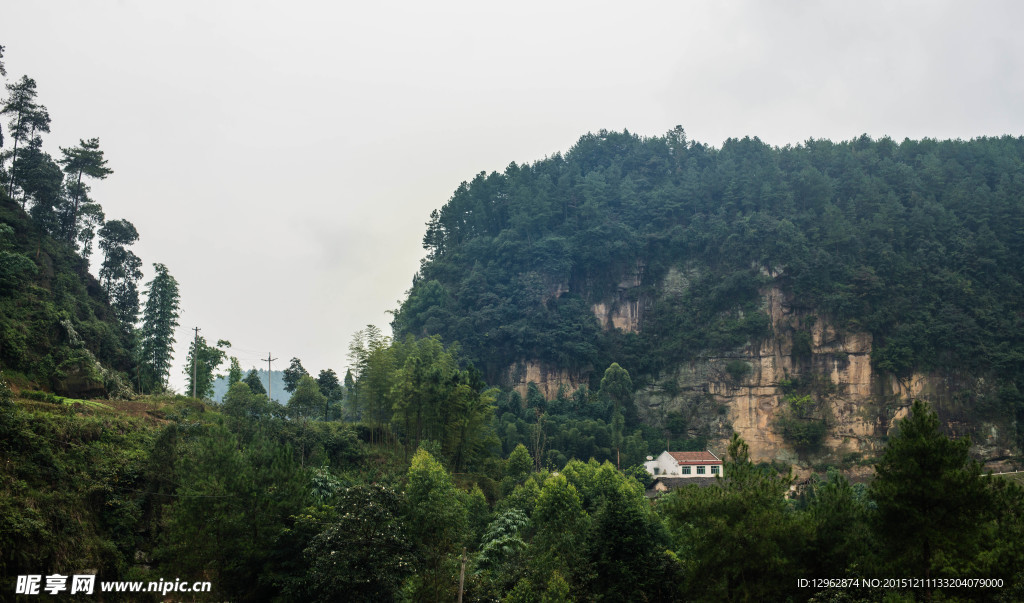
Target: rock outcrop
pixel 547 379
pixel 745 390
pixel 622 310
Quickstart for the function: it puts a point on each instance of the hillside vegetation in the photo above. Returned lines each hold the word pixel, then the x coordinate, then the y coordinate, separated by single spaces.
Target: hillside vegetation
pixel 918 243
pixel 417 477
pixel 57 328
pixel 268 505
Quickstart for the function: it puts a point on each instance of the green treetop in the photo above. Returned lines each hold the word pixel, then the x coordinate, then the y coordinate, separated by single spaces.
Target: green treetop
pixel 159 321
pixel 306 401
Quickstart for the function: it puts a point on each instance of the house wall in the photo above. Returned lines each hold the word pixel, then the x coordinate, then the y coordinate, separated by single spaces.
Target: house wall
pixel 666 465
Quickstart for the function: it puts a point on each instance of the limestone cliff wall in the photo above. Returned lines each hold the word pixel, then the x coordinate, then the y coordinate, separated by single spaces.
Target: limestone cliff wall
pixel 743 390
pixel 622 310
pixel 622 314
pixel 860 405
pixel 547 379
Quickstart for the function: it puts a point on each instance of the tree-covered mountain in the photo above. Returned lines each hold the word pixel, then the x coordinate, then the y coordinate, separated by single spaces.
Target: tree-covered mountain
pixel 917 243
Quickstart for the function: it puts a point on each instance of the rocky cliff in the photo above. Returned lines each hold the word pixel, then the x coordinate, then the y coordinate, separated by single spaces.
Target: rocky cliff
pixel 747 390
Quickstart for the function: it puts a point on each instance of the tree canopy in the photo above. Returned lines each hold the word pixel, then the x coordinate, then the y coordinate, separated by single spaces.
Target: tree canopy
pixel 916 242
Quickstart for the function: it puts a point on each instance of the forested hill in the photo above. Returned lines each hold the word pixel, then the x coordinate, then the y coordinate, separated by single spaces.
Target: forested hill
pixel 57 329
pixel 799 296
pixel 61 329
pixel 918 243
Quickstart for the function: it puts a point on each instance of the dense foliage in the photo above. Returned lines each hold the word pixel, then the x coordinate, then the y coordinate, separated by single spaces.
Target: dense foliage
pixel 919 243
pixel 60 329
pixel 268 507
pixel 412 479
pixel 57 330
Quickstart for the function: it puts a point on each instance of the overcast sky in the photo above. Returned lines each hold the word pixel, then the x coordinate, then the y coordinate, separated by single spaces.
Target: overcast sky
pixel 282 158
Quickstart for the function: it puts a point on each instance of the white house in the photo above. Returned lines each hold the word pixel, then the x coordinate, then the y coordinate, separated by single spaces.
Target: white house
pixel 685 464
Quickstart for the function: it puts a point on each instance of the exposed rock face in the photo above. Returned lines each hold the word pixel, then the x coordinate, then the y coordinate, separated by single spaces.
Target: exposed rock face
pixel 548 380
pixel 622 314
pixel 859 405
pixel 744 390
pixel 622 311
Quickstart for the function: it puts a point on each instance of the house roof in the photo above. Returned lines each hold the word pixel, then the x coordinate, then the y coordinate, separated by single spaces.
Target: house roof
pixel 704 457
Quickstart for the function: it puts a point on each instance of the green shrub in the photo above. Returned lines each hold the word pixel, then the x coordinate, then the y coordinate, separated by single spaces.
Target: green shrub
pixel 738 370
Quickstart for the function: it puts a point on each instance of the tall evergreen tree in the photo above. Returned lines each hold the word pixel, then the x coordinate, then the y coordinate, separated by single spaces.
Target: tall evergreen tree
pixel 561 527
pixel 252 379
pixel 933 502
pixel 617 387
pixel 84 160
pixel 350 394
pixel 121 269
pixel 234 372
pixel 740 540
pixel 27 118
pixel 41 181
pixel 437 525
pixel 159 320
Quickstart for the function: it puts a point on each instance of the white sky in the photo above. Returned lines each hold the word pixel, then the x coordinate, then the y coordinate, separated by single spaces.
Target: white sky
pixel 282 158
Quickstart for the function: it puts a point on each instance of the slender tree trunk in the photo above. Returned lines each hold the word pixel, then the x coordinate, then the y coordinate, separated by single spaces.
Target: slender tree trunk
pixel 73 225
pixel 14 159
pixel 24 195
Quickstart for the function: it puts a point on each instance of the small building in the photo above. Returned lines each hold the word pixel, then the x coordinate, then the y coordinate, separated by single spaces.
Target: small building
pixel 685 465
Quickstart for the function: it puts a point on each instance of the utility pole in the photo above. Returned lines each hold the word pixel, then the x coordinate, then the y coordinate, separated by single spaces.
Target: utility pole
pixel 270 377
pixel 195 359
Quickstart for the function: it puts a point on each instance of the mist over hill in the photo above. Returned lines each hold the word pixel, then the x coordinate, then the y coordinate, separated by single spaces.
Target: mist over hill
pixel 220 386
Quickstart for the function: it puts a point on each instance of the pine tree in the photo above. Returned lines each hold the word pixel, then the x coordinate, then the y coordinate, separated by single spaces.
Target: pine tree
pixel 933 502
pixel 42 182
pixel 84 160
pixel 27 118
pixel 252 379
